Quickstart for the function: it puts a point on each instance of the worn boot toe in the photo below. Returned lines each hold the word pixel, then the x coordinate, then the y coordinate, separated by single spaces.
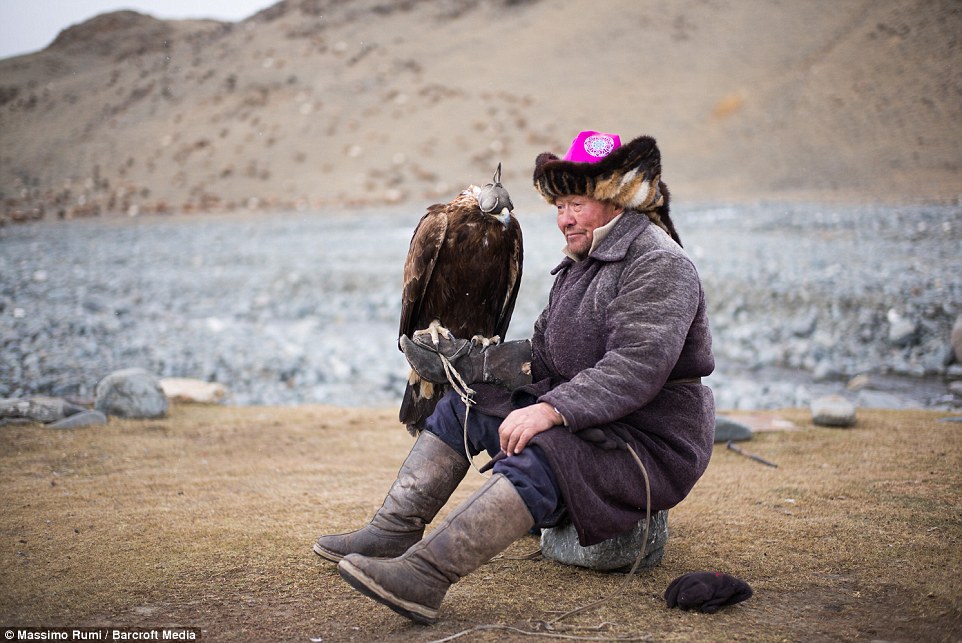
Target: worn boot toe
pixel 396 583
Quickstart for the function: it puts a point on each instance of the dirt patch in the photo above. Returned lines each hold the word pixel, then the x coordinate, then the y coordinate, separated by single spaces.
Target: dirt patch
pixel 205 519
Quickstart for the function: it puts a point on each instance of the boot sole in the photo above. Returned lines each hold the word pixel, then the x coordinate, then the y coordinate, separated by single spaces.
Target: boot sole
pixel 327 555
pixel 370 588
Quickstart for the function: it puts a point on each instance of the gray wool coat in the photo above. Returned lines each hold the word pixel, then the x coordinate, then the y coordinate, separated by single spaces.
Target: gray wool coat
pixel 620 330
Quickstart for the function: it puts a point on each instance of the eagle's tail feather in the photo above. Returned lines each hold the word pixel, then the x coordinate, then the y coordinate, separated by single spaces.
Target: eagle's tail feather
pixel 415 408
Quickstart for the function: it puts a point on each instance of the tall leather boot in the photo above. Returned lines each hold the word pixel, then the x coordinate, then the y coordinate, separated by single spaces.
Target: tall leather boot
pixel 414 584
pixel 428 477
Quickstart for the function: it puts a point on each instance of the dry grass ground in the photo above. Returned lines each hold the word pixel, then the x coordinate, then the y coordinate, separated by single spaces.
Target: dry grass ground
pixel 205 519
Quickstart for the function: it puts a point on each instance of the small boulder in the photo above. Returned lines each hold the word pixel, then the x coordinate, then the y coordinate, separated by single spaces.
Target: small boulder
pixel 131 393
pixel 615 554
pixel 729 430
pixel 833 410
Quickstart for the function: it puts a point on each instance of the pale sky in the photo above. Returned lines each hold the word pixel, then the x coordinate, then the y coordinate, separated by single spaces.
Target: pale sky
pixel 27 26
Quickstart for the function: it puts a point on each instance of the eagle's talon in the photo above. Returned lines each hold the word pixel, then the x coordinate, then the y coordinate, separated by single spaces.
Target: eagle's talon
pixel 447 345
pixel 436 330
pixel 482 342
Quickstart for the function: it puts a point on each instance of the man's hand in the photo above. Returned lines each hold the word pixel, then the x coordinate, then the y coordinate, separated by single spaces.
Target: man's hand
pixel 523 424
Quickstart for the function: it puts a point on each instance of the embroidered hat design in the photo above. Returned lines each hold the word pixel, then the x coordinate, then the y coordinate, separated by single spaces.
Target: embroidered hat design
pixel 590 146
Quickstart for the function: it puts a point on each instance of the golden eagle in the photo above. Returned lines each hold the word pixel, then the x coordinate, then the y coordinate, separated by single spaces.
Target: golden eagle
pixel 461 277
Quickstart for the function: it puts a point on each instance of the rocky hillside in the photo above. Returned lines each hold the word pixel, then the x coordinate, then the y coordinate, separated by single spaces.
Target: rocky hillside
pixel 313 103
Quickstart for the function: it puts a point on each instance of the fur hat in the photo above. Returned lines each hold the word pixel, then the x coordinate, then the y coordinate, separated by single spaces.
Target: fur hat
pixel 628 176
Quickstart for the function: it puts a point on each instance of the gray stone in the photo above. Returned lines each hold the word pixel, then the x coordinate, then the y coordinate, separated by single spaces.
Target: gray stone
pixel 615 554
pixel 727 429
pixel 131 393
pixel 833 410
pixel 78 420
pixel 38 409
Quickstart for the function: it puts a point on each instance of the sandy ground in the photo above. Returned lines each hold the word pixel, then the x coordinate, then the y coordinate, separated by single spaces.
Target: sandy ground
pixel 205 519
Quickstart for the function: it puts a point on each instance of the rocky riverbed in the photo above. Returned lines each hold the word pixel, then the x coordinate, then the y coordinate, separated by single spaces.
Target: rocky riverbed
pixel 302 307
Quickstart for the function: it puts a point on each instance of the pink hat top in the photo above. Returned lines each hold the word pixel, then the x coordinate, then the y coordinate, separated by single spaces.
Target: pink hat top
pixel 591 147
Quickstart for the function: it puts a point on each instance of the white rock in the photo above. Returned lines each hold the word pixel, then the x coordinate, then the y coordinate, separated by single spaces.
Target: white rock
pixel 185 389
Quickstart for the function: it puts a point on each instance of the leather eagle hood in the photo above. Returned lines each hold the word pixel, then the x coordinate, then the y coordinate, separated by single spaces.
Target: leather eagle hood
pixel 629 177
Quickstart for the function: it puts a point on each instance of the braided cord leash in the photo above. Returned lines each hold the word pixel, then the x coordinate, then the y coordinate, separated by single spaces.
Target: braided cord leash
pixel 466 393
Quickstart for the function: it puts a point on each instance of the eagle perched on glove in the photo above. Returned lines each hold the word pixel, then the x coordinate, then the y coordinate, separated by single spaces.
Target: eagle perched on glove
pixel 461 278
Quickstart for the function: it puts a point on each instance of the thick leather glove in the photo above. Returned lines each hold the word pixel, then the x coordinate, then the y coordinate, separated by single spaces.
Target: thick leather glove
pixel 507 364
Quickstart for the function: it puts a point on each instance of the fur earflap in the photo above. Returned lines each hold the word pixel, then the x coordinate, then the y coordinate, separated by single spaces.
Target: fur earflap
pixel 629 177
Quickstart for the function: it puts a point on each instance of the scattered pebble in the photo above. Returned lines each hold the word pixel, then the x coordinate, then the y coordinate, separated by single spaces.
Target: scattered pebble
pixel 833 410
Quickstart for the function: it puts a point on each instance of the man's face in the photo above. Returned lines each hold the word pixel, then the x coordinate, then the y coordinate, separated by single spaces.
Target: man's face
pixel 579 217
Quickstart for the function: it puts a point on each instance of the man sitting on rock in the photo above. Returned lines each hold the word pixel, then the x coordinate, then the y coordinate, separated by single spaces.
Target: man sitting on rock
pixel 615 361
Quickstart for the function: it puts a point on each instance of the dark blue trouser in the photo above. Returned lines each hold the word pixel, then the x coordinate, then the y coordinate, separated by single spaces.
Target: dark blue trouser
pixel 528 471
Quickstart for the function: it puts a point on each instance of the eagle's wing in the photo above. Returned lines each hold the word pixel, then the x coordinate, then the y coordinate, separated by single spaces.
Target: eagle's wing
pixel 426 242
pixel 515 264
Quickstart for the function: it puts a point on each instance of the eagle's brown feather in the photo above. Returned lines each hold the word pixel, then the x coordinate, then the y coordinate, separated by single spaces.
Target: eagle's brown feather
pixel 463 269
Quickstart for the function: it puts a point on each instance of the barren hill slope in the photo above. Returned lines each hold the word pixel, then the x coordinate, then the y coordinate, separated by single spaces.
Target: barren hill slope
pixel 319 102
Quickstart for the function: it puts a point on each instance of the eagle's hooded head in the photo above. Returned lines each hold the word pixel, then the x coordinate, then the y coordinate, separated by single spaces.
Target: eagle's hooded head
pixel 494 199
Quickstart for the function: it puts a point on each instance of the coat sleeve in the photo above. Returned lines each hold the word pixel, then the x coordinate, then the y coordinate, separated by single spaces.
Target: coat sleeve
pixel 647 322
pixel 539 366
